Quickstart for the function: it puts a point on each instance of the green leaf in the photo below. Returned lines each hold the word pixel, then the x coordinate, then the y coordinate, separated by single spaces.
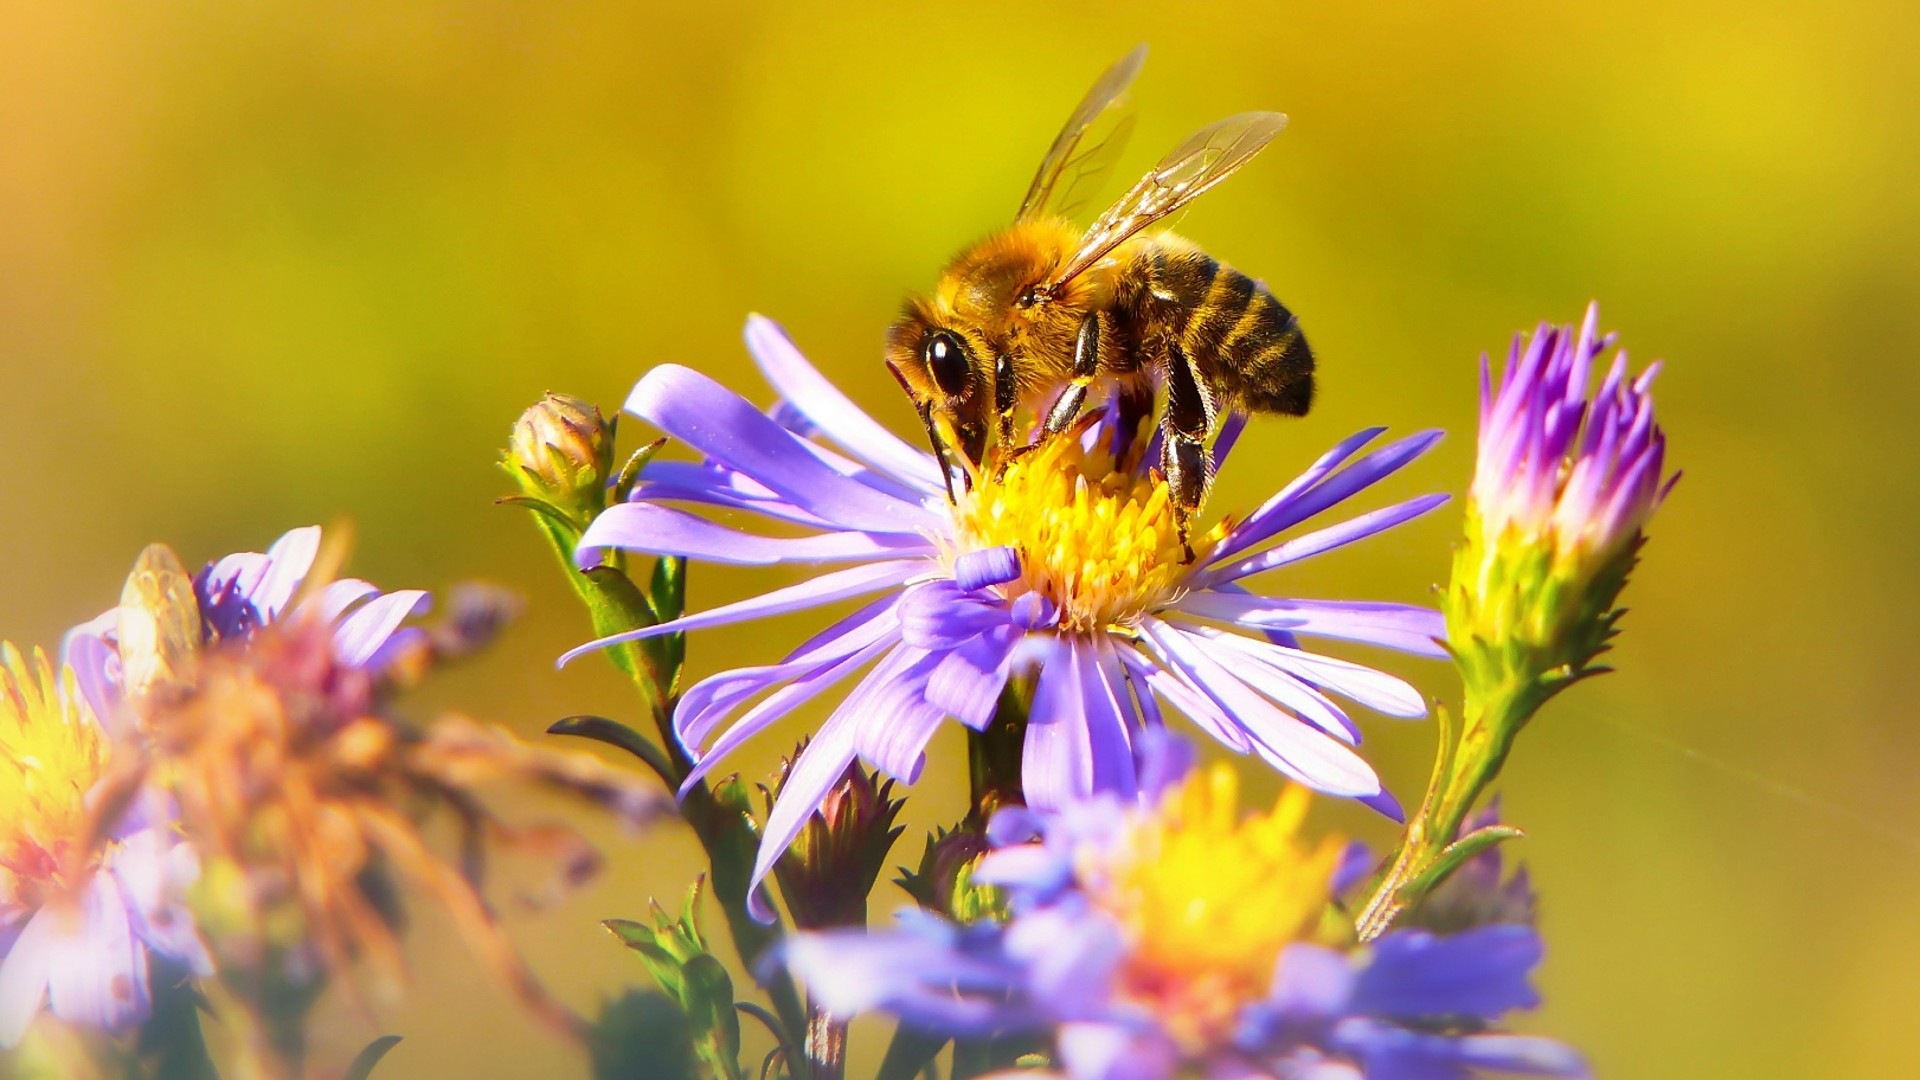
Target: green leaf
pixel 365 1060
pixel 1453 855
pixel 676 954
pixel 709 1007
pixel 618 735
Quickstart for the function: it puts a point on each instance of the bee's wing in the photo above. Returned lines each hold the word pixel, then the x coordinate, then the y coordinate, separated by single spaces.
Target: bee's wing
pixel 1209 156
pixel 159 625
pixel 1069 171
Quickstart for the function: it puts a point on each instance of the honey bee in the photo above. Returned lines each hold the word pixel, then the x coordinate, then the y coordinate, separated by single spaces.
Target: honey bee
pixel 1034 315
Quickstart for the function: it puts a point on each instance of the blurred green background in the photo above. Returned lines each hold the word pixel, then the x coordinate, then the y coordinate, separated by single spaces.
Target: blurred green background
pixel 270 264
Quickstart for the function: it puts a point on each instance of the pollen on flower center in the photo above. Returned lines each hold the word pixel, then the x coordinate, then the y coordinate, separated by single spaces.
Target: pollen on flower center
pixel 51 754
pixel 1099 542
pixel 1208 900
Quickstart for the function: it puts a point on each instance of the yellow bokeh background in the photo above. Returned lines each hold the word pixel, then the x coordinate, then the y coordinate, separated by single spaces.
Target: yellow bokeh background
pixel 269 264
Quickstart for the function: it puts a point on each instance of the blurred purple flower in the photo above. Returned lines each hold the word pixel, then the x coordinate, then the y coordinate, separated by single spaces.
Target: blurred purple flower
pixel 79 917
pixel 240 593
pixel 1064 562
pixel 1127 997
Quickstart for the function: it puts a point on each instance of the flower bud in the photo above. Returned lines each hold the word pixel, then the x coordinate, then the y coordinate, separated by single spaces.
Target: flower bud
pixel 1563 486
pixel 561 452
pixel 944 882
pixel 832 865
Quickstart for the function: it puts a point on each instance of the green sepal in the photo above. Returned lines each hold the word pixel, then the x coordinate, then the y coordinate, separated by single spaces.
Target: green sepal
pixel 630 472
pixel 676 954
pixel 539 506
pixel 1454 855
pixel 618 735
pixel 365 1061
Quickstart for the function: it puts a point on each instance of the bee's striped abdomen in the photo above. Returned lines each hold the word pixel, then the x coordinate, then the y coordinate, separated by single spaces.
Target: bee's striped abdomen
pixel 1249 349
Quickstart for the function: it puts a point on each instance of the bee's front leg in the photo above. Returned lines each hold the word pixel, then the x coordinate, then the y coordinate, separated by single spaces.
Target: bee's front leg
pixel 1183 450
pixel 1086 365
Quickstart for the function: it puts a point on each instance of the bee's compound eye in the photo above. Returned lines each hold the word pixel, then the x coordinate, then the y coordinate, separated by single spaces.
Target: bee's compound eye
pixel 947 362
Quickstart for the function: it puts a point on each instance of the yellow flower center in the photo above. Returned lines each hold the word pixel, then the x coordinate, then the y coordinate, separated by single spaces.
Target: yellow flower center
pixel 1100 542
pixel 1208 900
pixel 51 753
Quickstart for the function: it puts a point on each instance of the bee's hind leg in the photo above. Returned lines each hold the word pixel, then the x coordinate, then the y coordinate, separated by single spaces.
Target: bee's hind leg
pixel 1183 451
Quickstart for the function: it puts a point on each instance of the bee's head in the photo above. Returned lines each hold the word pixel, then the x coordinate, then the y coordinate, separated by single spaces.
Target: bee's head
pixel 946 367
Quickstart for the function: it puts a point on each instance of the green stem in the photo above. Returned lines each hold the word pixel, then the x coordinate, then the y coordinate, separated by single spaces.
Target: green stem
pixel 724 828
pixel 1462 771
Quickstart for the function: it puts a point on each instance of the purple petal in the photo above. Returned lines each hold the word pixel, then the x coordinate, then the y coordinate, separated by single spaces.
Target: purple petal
pixel 663 530
pixel 1480 972
pixel 96 673
pixel 1291 746
pixel 815 771
pixel 922 973
pixel 1113 1051
pixel 1314 491
pixel 896 719
pixel 24 972
pixel 97 972
pixel 1375 689
pixel 989 566
pixel 1395 626
pixel 721 424
pixel 1161 760
pixel 823 589
pixel 1310 982
pixel 1078 740
pixel 714 698
pixel 778 704
pixel 1282 688
pixel 361 634
pixel 1028 867
pixel 335 597
pixel 811 394
pixel 967 681
pixel 290 558
pixel 1321 541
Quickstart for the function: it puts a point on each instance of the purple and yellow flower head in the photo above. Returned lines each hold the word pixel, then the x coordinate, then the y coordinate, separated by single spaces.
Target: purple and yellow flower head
pixel 1564 483
pixel 1154 937
pixel 1067 563
pixel 83 904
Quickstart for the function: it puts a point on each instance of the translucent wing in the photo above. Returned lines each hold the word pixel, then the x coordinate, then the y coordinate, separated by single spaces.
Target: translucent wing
pixel 1209 156
pixel 1070 169
pixel 159 625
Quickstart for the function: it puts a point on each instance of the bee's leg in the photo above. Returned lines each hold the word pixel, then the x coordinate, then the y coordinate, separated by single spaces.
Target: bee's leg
pixel 1006 399
pixel 1183 451
pixel 1086 365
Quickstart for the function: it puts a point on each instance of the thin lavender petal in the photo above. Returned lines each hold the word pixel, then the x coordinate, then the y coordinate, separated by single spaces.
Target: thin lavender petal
pixel 824 589
pixel 802 387
pixel 361 634
pixel 662 530
pixel 1321 541
pixel 721 424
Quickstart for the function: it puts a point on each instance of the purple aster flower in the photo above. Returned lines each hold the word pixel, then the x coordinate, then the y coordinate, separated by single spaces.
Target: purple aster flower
pixel 1067 562
pixel 1170 937
pixel 235 596
pixel 79 918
